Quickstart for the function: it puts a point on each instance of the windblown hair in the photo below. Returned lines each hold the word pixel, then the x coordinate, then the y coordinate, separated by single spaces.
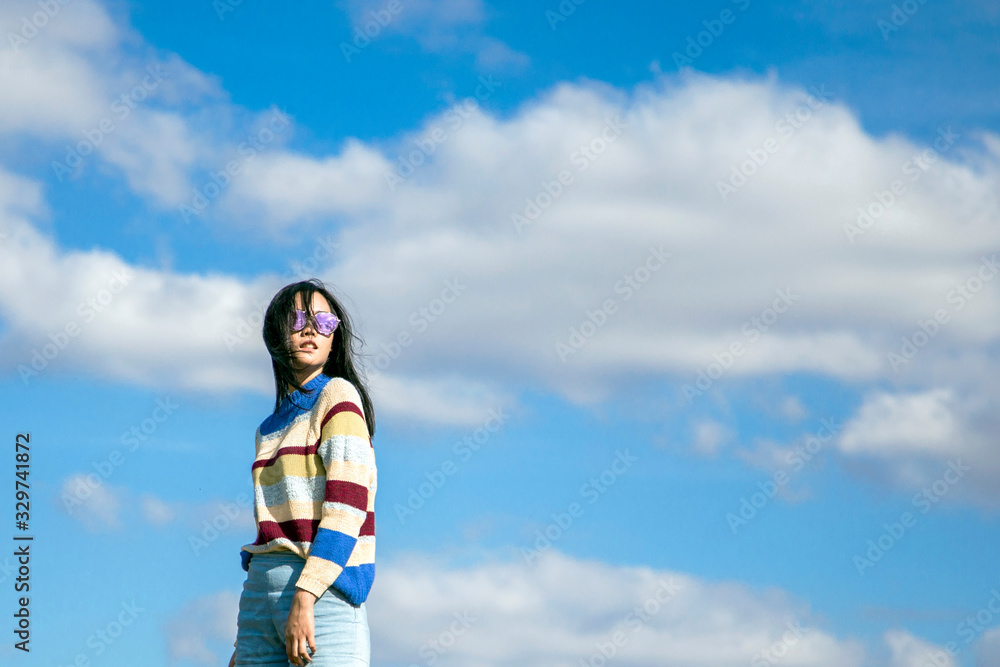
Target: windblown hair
pixel 277 333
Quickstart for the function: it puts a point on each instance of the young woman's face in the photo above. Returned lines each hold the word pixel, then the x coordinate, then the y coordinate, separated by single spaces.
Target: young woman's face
pixel 310 349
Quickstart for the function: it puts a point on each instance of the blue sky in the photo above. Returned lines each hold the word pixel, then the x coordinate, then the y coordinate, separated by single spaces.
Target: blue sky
pixel 731 324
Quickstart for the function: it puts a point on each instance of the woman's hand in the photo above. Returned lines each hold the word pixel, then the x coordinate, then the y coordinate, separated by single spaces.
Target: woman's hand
pixel 299 628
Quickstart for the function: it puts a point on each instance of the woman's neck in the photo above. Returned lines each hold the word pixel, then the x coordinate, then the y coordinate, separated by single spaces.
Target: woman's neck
pixel 305 379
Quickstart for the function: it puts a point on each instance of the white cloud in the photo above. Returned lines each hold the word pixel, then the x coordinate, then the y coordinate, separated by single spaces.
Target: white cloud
pixel 911 441
pixel 540 614
pixel 116 320
pixel 155 510
pixel 88 499
pixel 88 91
pixel 501 612
pixel 48 82
pixel 192 630
pixel 440 26
pixel 910 651
pixel 452 401
pixel 285 188
pixel 655 186
pixel 792 408
pixel 988 648
pixel 920 423
pixel 709 436
pixel 657 153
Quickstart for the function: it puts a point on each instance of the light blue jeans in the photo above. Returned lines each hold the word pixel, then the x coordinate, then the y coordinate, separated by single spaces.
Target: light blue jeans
pixel 341 629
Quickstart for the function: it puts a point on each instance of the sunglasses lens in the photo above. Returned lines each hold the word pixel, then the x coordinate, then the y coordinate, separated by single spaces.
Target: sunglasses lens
pixel 300 321
pixel 326 323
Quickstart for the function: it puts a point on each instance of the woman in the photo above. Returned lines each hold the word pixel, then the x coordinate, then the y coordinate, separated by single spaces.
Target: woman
pixel 313 562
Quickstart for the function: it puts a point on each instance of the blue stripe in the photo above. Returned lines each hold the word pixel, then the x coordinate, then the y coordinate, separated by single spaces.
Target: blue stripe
pixel 355 582
pixel 333 545
pixel 294 404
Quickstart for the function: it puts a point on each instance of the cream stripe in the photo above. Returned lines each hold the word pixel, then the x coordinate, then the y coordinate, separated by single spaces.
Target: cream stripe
pixel 363 554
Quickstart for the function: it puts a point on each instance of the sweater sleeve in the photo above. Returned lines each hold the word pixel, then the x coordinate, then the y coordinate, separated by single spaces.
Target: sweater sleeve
pixel 347 454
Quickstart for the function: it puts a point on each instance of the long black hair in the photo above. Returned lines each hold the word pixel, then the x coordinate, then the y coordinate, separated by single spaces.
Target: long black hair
pixel 277 333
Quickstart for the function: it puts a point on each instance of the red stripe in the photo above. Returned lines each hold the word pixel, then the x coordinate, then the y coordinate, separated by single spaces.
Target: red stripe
pixel 304 530
pixel 349 493
pixel 305 450
pixel 297 530
pixel 343 406
pixel 347 406
pixel 368 527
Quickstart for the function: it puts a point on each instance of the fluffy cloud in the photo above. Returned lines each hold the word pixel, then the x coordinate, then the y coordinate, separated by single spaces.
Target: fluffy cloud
pixel 422 610
pixel 806 299
pixel 709 436
pixel 695 229
pixel 96 505
pixel 936 440
pixel 922 423
pixel 86 88
pixel 789 269
pixel 511 614
pixel 502 613
pixel 907 650
pixel 988 648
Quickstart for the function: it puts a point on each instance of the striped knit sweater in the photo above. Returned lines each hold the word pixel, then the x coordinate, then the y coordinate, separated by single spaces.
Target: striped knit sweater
pixel 314 481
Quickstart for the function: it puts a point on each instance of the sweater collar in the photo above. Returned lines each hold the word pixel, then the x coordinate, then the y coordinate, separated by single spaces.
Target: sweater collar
pixel 310 387
pixel 294 404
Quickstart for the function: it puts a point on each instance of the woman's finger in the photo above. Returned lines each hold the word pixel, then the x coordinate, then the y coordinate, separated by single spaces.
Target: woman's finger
pixel 294 651
pixel 301 650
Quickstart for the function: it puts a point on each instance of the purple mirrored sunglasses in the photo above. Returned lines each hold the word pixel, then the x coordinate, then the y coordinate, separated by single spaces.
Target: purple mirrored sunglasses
pixel 325 322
